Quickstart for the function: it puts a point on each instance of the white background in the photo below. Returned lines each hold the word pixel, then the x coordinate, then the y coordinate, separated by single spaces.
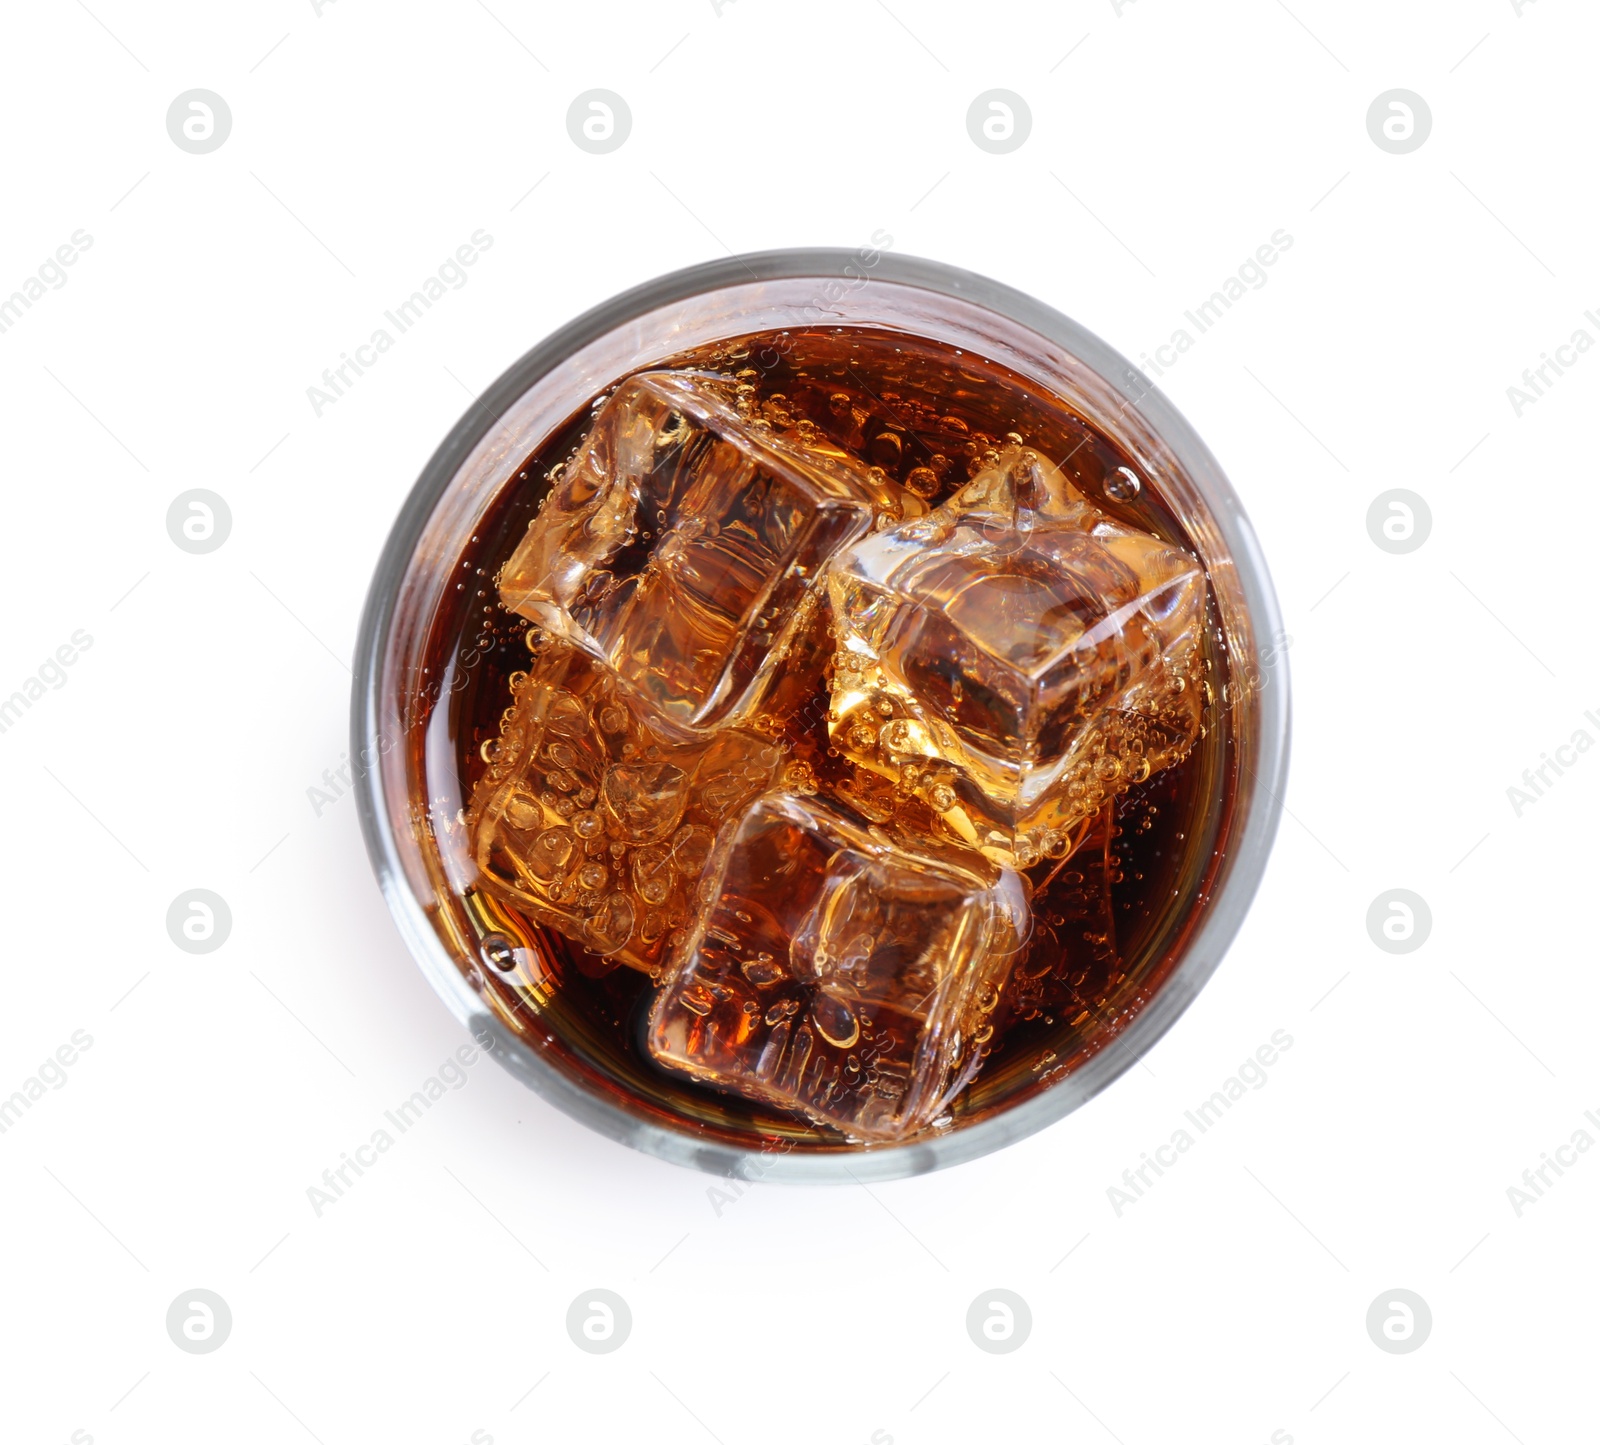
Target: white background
pixel 367 144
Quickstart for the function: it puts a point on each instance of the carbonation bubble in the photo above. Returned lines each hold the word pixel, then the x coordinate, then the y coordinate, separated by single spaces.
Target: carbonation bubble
pixel 1123 485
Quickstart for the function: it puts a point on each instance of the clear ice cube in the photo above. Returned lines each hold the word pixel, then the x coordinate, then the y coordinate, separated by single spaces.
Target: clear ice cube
pixel 681 544
pixel 831 973
pixel 1015 658
pixel 593 819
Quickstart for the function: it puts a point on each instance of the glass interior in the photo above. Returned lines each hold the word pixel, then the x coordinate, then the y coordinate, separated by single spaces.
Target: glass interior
pixel 422 680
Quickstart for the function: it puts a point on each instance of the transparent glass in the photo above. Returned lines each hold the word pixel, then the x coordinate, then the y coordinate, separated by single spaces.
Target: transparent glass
pixel 403 691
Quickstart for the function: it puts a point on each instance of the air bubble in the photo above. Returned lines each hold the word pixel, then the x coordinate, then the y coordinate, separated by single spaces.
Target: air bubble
pixel 497 950
pixel 1122 485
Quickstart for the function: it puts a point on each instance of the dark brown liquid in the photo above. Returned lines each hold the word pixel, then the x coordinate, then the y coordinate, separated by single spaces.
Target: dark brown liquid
pixel 929 417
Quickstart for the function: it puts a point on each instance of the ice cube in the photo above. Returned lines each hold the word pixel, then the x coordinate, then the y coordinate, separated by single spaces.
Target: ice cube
pixel 681 544
pixel 595 821
pixel 1015 658
pixel 831 973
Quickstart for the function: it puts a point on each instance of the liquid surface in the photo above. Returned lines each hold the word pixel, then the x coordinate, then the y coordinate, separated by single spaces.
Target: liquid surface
pixel 874 621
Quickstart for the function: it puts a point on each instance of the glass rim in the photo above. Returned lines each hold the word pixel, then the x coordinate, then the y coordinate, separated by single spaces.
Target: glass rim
pixel 1220 917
